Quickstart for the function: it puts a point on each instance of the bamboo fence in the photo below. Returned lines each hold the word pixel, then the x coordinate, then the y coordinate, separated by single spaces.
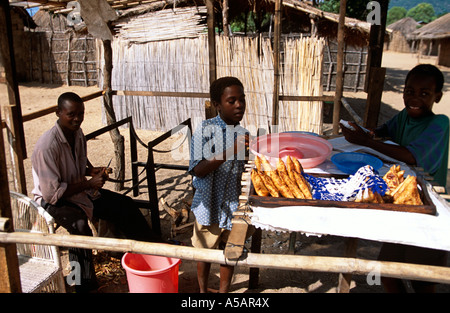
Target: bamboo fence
pixel 273 261
pixel 181 65
pixel 302 72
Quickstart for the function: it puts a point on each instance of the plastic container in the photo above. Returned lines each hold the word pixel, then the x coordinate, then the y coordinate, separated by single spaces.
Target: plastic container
pixel 310 150
pixel 151 273
pixel 351 162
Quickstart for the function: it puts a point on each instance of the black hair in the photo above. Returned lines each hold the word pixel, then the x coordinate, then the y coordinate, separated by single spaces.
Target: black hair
pixel 428 70
pixel 68 96
pixel 218 86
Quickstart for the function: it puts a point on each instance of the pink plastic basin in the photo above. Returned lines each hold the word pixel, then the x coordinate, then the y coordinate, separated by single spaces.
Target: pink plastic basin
pixel 308 149
pixel 151 273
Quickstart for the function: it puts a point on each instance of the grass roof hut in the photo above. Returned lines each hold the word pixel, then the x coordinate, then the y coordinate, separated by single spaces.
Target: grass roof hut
pixel 435 34
pixel 401 29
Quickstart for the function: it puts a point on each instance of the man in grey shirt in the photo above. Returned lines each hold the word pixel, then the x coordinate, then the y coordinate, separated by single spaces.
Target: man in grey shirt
pixel 60 167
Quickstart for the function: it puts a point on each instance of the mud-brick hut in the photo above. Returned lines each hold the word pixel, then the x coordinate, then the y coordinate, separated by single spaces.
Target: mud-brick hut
pixel 399 38
pixel 435 36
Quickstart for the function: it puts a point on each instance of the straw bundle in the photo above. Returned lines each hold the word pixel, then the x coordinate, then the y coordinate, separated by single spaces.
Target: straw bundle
pixel 163 25
pixel 301 76
pixel 253 65
pixel 177 65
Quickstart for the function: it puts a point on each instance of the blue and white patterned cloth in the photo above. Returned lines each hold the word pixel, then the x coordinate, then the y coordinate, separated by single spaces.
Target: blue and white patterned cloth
pixel 346 189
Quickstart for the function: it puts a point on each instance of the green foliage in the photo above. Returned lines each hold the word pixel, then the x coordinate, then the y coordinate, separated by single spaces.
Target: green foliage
pixel 440 6
pixel 395 14
pixel 355 8
pixel 238 23
pixel 422 12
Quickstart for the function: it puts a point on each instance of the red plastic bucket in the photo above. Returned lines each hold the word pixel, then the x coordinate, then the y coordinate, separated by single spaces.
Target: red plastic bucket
pixel 151 273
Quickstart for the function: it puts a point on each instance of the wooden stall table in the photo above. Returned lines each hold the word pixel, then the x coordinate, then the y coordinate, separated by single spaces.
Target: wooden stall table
pixel 416 229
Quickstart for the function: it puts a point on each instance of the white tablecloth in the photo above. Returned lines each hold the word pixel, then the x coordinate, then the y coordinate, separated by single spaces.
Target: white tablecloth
pixel 386 226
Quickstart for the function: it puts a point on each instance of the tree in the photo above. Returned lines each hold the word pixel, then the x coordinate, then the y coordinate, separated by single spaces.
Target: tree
pixel 395 14
pixel 355 8
pixel 422 12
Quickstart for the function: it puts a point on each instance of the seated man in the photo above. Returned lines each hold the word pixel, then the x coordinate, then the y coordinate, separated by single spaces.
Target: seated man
pixel 59 167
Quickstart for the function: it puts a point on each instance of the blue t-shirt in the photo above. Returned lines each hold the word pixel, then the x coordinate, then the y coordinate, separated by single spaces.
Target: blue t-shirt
pixel 217 194
pixel 427 138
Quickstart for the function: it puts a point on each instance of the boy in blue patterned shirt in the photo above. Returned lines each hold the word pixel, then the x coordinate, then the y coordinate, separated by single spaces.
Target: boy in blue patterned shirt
pixel 217 163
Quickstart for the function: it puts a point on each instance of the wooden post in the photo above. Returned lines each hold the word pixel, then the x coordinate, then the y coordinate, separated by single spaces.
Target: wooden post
pixel 12 108
pixel 9 264
pixel 116 137
pixel 225 22
pixel 375 74
pixel 210 110
pixel 374 95
pixel 351 244
pixel 276 63
pixel 339 70
pixel 68 58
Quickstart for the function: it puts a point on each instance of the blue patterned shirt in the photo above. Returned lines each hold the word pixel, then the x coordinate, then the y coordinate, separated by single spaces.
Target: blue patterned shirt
pixel 217 194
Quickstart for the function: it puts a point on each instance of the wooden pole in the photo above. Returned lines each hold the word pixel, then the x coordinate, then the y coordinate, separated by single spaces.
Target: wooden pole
pixel 116 137
pixel 373 104
pixel 281 261
pixel 9 264
pixel 225 22
pixel 12 109
pixel 375 73
pixel 339 69
pixel 276 64
pixel 210 110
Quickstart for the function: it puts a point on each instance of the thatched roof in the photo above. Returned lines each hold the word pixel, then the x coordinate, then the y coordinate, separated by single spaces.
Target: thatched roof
pixel 356 32
pixel 438 29
pixel 405 26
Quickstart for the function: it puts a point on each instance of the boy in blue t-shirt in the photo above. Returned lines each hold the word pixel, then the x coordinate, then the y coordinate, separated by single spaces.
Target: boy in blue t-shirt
pixel 423 140
pixel 421 135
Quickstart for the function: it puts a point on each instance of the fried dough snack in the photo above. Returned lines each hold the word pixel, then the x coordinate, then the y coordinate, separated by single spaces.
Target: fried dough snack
pixel 401 190
pixel 393 178
pixel 282 172
pixel 368 196
pixel 298 166
pixel 259 185
pixel 273 190
pixel 407 192
pixel 303 185
pixel 284 180
pixel 290 167
pixel 281 185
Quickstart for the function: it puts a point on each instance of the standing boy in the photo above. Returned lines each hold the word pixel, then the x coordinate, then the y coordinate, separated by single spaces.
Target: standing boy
pixel 217 162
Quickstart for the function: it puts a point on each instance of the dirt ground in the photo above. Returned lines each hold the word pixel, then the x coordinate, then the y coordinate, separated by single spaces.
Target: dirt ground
pixel 174 186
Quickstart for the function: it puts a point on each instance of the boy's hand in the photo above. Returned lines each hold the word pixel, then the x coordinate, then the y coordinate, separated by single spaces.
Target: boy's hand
pixel 357 136
pixel 241 145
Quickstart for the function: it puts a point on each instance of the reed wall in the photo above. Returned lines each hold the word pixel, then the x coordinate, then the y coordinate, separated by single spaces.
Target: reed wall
pixel 181 65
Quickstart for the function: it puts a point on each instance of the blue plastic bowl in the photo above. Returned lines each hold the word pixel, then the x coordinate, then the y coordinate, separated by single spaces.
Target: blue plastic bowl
pixel 351 162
